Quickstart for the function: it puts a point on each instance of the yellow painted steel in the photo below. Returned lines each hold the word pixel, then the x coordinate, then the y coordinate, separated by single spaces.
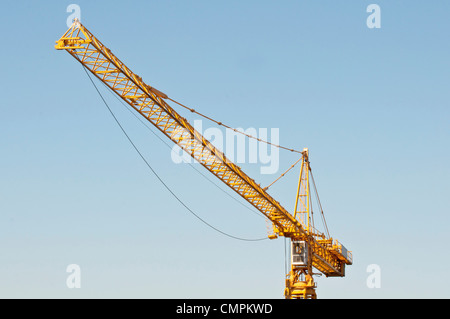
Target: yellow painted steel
pixel 326 255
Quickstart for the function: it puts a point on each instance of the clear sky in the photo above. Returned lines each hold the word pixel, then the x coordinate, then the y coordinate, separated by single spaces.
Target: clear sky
pixel 372 106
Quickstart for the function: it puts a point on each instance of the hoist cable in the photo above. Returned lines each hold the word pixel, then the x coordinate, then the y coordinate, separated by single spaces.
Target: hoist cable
pixel 156 174
pixel 170 147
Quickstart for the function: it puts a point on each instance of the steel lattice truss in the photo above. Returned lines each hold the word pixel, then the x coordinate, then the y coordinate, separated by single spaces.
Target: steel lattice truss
pixel 151 104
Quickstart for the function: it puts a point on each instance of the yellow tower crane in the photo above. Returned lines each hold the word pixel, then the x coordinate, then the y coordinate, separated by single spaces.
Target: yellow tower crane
pixel 309 247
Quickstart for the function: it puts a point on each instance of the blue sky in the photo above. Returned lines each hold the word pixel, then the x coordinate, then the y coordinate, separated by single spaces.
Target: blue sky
pixel 372 106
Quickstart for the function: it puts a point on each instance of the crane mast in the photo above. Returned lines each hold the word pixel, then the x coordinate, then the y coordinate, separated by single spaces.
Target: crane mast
pixel 318 251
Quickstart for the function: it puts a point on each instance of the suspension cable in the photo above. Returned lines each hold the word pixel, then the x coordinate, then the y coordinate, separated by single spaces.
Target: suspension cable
pixel 267 187
pixel 233 129
pixel 320 205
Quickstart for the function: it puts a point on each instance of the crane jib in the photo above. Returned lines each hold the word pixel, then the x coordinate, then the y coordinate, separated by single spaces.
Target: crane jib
pixel 149 102
pixel 324 253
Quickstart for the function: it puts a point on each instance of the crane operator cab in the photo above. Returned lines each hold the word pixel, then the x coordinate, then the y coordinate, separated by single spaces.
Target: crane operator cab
pixel 299 253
